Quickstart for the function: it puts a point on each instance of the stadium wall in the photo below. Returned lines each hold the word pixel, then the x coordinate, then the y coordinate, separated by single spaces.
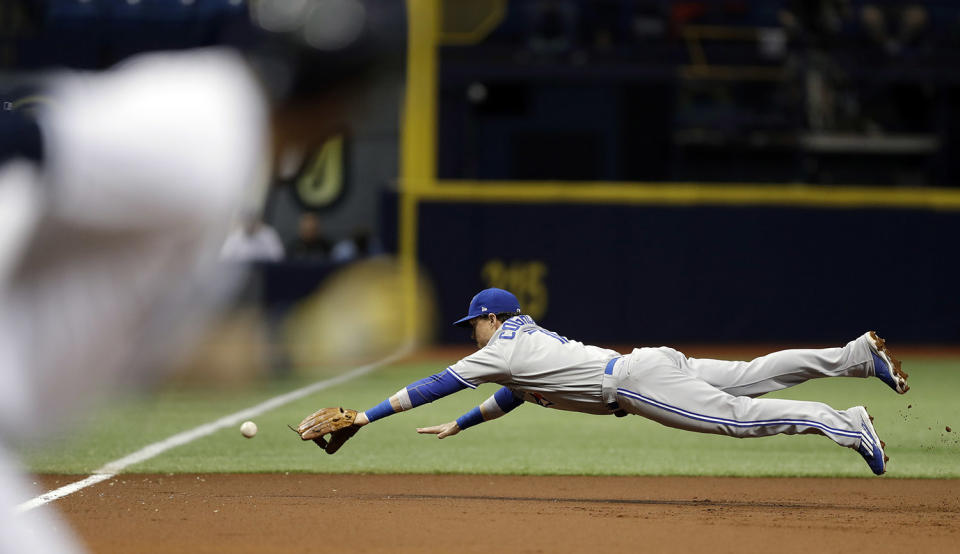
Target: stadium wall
pixel 646 263
pixel 651 274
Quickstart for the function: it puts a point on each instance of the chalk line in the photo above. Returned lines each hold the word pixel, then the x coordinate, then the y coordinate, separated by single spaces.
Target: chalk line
pixel 111 469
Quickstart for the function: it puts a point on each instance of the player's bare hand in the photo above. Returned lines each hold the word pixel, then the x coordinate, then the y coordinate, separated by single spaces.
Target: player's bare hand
pixel 441 431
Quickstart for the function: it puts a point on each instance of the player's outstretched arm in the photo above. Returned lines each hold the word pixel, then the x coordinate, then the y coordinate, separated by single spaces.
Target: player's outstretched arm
pixel 415 394
pixel 347 422
pixel 502 401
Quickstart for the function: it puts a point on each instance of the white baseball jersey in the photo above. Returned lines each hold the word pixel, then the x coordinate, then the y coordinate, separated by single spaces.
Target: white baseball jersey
pixel 108 254
pixel 546 368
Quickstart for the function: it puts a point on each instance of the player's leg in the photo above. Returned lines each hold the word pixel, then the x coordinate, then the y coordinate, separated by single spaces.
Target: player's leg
pixel 653 385
pixel 865 356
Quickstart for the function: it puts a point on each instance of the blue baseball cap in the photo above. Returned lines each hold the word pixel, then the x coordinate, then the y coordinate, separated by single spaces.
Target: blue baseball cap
pixel 490 301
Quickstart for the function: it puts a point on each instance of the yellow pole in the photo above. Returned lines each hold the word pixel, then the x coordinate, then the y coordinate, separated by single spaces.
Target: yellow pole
pixel 418 136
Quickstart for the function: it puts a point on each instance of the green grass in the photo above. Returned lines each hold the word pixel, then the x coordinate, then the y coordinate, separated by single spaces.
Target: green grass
pixel 530 440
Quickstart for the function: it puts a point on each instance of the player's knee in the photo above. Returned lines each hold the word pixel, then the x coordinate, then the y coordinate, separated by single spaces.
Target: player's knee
pixel 741 407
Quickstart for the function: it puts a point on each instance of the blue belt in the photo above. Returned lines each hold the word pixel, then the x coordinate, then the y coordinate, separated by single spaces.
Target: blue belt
pixel 614 406
pixel 609 369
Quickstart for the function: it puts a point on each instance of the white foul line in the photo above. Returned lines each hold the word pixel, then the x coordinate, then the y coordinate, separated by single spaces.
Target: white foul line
pixel 111 469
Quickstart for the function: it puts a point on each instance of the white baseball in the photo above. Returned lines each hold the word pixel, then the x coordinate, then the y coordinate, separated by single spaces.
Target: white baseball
pixel 248 429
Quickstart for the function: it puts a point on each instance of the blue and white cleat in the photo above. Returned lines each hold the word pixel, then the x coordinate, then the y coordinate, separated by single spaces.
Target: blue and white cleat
pixel 871 447
pixel 886 367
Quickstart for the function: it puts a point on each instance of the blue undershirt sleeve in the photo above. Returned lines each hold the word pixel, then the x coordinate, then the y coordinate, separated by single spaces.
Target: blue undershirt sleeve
pixel 433 387
pixel 421 392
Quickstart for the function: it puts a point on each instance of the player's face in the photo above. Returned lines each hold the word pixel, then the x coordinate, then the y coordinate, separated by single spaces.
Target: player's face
pixel 483 329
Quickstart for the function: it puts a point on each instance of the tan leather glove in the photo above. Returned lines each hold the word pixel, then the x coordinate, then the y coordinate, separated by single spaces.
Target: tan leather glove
pixel 339 423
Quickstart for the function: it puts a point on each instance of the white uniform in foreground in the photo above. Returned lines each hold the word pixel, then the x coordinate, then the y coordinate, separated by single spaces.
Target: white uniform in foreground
pixel 109 251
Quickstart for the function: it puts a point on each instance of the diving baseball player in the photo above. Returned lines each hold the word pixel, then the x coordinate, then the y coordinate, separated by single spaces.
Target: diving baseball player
pixel 707 396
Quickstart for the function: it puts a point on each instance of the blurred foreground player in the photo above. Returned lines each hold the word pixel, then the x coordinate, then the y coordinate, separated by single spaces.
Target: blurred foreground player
pixel 109 241
pixel 706 396
pixel 110 232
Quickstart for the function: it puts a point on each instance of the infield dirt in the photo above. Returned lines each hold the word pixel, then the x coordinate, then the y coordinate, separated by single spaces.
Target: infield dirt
pixel 241 513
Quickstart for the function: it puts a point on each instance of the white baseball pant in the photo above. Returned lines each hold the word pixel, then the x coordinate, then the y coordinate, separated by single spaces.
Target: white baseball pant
pixel 718 396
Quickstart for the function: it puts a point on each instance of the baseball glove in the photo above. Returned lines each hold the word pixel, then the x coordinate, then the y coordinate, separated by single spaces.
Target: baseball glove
pixel 336 422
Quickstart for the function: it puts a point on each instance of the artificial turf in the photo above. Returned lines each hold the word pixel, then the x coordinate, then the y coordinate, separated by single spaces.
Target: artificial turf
pixel 529 440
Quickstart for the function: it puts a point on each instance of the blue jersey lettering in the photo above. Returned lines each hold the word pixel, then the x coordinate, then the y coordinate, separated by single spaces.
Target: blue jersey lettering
pixel 510 327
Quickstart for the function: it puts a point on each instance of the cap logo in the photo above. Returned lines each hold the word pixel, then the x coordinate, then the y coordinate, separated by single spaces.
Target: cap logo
pixel 483 308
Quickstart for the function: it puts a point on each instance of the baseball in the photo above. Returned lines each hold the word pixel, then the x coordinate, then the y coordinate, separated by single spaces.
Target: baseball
pixel 248 429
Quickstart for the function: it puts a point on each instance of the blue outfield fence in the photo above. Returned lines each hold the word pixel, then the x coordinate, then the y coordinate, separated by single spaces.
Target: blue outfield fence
pixel 658 274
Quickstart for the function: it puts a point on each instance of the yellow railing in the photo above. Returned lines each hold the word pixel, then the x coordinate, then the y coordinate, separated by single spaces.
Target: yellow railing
pixel 419 183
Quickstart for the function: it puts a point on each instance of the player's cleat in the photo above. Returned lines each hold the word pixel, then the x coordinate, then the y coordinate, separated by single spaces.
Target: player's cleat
pixel 871 447
pixel 886 367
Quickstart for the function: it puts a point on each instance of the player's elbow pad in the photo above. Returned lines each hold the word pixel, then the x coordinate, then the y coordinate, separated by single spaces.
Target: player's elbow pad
pixel 507 399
